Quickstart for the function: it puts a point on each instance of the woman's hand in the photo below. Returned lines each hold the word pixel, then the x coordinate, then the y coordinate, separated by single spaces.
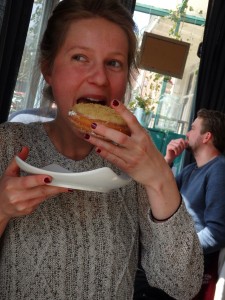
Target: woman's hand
pixel 21 195
pixel 137 156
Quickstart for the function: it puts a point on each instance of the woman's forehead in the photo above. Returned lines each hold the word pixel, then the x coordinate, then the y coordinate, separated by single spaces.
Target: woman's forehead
pixel 96 32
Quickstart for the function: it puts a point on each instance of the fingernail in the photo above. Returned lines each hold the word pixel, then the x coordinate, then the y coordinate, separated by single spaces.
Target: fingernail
pixel 87 136
pixel 93 125
pixel 70 190
pixel 98 150
pixel 47 180
pixel 115 102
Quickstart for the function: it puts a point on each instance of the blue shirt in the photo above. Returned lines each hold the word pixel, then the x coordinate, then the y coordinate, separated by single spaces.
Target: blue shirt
pixel 203 191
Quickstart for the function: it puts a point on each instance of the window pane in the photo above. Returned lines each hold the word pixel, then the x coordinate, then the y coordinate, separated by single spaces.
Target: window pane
pixel 27 92
pixel 172 97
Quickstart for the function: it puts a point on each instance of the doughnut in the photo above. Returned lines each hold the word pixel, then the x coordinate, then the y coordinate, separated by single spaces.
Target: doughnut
pixel 82 115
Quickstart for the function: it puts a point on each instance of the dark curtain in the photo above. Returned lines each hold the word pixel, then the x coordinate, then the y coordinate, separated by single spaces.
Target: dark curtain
pixel 2 9
pixel 13 33
pixel 210 92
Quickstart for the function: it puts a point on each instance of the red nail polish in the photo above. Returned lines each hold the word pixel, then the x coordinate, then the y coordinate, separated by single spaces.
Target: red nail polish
pixel 87 136
pixel 115 102
pixel 93 125
pixel 47 180
pixel 98 150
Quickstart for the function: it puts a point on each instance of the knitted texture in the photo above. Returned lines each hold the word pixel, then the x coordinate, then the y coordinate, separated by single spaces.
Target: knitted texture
pixel 84 245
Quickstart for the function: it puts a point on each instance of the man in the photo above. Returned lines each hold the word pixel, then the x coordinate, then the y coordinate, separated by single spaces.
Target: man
pixel 202 186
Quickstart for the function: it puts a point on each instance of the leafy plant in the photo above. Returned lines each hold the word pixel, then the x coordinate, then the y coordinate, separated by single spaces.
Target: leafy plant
pixel 144 102
pixel 176 16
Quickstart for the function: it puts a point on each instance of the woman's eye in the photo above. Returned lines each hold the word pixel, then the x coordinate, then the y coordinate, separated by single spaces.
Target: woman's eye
pixel 114 63
pixel 79 57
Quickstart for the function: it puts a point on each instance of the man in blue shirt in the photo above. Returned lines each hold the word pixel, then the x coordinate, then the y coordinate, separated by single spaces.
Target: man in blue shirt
pixel 202 185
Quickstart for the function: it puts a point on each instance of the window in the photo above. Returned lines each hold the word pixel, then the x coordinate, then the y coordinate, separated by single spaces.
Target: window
pixel 170 19
pixel 27 93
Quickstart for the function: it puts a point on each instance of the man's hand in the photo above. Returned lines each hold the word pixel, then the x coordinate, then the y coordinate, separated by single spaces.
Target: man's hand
pixel 174 149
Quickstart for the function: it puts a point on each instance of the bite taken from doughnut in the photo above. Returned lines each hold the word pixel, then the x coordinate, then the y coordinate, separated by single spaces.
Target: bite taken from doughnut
pixel 82 115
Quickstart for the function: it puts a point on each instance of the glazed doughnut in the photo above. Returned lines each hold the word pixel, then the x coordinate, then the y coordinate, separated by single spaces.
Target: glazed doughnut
pixel 82 115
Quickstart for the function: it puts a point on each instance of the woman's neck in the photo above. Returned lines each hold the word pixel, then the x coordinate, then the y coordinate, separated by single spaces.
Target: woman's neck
pixel 66 142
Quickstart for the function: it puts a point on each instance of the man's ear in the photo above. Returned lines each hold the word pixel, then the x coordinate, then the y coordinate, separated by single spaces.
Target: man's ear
pixel 208 136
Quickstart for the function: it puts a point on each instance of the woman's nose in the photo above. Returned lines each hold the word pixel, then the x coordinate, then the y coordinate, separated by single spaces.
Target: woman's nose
pixel 98 75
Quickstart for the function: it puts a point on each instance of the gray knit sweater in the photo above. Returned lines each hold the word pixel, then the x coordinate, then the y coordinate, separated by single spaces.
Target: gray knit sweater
pixel 84 245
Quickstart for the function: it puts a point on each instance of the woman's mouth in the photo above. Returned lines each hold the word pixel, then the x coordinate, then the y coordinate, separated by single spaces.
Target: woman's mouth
pixel 91 100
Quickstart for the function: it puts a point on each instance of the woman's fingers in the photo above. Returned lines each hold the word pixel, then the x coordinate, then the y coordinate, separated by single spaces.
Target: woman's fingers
pixel 23 154
pixel 29 187
pixel 130 153
pixel 113 152
pixel 27 202
pixel 127 115
pixel 129 156
pixel 138 133
pixel 21 195
pixel 23 182
pixel 109 134
pixel 121 145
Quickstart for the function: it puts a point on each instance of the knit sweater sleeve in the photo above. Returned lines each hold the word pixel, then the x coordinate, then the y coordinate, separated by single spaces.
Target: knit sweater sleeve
pixel 171 254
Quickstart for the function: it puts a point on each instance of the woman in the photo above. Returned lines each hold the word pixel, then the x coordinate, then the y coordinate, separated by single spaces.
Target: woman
pixel 63 244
